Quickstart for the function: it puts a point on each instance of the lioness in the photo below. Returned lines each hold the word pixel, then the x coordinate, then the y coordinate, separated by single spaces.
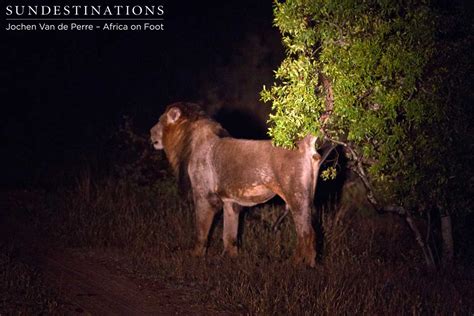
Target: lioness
pixel 226 172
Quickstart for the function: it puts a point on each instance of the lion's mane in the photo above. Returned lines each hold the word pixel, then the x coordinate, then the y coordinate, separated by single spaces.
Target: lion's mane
pixel 193 123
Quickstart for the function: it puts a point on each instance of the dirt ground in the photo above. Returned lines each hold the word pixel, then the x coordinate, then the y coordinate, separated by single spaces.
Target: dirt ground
pixel 80 266
pixel 88 282
pixel 93 286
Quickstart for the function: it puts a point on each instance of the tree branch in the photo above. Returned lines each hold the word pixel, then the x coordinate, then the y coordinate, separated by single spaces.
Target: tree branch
pixel 394 209
pixel 329 99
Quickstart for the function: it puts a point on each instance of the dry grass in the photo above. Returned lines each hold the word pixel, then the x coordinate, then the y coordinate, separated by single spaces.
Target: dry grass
pixel 23 290
pixel 369 264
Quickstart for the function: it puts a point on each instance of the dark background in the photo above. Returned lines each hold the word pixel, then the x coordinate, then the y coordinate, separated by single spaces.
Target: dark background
pixel 63 93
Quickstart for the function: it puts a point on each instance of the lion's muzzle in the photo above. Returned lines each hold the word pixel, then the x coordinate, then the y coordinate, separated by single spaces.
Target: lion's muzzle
pixel 156 136
pixel 157 145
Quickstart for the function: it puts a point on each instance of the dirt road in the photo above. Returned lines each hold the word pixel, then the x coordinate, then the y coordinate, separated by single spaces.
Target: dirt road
pixel 87 282
pixel 90 287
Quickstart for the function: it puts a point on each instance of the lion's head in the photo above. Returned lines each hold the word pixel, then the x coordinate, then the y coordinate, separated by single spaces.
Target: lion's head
pixel 175 131
pixel 174 114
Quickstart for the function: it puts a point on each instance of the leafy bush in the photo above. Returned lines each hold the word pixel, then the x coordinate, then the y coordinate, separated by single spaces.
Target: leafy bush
pixel 380 77
pixel 389 81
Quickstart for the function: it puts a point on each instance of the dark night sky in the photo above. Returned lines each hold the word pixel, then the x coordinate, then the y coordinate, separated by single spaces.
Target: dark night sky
pixel 61 89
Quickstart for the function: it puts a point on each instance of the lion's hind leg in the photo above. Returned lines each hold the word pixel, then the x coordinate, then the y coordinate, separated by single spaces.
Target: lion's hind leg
pixel 231 227
pixel 306 237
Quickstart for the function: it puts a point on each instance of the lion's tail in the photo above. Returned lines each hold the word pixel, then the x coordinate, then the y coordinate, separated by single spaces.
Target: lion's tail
pixel 308 145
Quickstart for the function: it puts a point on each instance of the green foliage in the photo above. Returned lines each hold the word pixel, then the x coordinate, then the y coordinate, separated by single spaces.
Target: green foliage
pixel 329 173
pixel 385 65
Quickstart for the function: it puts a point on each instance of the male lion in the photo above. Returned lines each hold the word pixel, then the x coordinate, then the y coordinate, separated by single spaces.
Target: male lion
pixel 226 172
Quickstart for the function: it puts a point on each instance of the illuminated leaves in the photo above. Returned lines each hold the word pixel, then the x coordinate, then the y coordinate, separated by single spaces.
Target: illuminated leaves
pixel 374 53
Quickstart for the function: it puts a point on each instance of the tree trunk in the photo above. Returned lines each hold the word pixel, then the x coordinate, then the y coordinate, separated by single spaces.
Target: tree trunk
pixel 447 238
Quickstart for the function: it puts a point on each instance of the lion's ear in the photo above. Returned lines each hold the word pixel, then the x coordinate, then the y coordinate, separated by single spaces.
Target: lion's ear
pixel 173 115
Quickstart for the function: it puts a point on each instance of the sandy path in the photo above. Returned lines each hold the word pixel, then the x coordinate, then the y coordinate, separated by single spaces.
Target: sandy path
pixel 87 283
pixel 91 288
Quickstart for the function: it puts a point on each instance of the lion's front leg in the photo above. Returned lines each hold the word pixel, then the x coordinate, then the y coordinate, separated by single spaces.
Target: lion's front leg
pixel 205 213
pixel 231 227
